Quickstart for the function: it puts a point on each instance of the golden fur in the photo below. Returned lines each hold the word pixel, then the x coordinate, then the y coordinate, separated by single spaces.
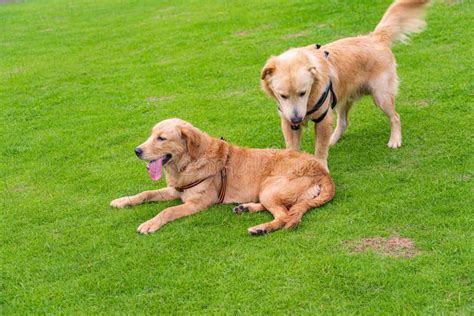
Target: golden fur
pixel 357 66
pixel 285 182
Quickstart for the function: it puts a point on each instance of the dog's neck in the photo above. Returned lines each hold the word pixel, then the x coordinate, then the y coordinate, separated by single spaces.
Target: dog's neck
pixel 209 162
pixel 327 76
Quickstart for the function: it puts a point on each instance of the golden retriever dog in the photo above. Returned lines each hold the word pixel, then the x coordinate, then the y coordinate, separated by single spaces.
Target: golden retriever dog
pixel 202 171
pixel 308 82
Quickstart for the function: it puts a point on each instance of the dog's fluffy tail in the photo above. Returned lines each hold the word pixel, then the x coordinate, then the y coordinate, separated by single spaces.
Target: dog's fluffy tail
pixel 402 18
pixel 296 212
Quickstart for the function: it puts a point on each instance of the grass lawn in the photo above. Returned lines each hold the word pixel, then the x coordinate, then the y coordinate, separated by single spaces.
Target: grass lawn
pixel 81 84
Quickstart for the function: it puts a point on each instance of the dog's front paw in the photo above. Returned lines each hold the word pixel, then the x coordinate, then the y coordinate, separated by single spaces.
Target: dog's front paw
pixel 121 202
pixel 395 143
pixel 239 209
pixel 150 226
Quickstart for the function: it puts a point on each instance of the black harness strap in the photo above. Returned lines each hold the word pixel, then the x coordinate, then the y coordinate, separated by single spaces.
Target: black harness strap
pixel 333 95
pixel 323 98
pixel 319 119
pixel 318 105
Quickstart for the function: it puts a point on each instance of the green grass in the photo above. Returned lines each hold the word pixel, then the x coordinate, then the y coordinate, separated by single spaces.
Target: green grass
pixel 82 82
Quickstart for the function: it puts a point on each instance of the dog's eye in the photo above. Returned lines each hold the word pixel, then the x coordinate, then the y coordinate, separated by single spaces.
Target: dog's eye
pixel 283 96
pixel 302 93
pixel 161 138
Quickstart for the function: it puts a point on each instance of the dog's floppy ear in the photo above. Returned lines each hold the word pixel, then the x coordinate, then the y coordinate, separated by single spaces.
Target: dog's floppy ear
pixel 313 71
pixel 268 69
pixel 192 139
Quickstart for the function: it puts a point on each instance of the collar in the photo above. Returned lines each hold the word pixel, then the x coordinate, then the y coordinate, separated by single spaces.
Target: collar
pixel 222 189
pixel 191 185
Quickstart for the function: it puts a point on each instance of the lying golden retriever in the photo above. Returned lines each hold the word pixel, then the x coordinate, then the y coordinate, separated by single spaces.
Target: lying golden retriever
pixel 203 171
pixel 308 82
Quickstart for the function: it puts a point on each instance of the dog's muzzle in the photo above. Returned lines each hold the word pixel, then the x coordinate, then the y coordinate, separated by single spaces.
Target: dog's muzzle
pixel 296 122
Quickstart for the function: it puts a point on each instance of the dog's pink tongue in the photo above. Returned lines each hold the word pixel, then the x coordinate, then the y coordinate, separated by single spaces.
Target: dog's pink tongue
pixel 154 169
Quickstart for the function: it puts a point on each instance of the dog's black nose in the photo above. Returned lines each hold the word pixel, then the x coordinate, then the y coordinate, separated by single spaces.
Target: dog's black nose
pixel 296 120
pixel 138 151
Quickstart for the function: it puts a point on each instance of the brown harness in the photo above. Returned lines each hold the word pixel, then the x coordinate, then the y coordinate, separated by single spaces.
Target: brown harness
pixel 192 184
pixel 222 189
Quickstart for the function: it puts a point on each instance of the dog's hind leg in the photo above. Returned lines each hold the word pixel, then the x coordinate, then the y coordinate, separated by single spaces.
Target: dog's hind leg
pixel 164 194
pixel 384 90
pixel 386 104
pixel 249 207
pixel 270 200
pixel 326 193
pixel 342 122
pixel 279 212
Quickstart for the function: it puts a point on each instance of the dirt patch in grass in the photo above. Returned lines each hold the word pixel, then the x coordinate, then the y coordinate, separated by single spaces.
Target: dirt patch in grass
pixel 244 33
pixel 17 70
pixel 161 98
pixel 11 1
pixel 453 2
pixel 466 176
pixel 234 93
pixel 20 189
pixel 295 35
pixel 394 246
pixel 423 103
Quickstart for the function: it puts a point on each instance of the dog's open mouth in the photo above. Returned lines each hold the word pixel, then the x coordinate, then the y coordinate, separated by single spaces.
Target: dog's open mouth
pixel 295 127
pixel 155 166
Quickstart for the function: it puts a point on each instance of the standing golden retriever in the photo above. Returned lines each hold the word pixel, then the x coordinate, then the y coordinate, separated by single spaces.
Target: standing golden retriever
pixel 308 82
pixel 203 171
